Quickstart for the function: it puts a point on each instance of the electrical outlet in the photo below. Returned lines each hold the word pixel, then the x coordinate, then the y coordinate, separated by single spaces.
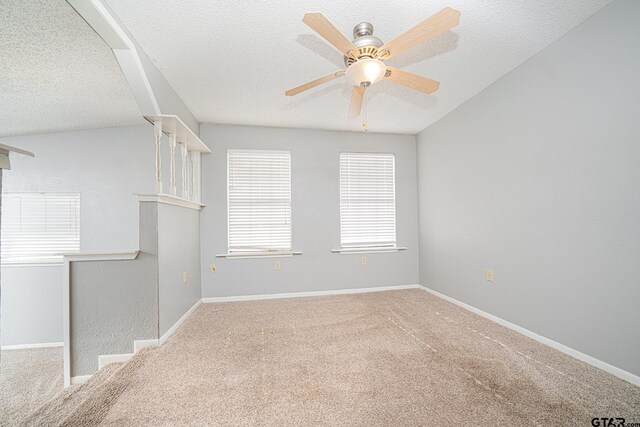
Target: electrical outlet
pixel 488 275
pixel 185 277
pixel 277 265
pixel 213 268
pixel 363 261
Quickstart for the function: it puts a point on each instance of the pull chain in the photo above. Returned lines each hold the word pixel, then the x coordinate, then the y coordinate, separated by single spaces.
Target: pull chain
pixel 364 111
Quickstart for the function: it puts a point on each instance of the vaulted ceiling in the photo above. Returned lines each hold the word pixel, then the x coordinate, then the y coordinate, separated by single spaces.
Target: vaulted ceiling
pixel 56 73
pixel 231 61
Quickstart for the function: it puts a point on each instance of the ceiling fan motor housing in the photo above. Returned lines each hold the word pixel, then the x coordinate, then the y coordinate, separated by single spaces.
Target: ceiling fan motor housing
pixel 366 43
pixel 364 67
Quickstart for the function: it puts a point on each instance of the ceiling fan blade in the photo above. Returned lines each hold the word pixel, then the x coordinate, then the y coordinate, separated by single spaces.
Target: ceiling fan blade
pixel 411 80
pixel 321 25
pixel 442 21
pixel 313 83
pixel 357 96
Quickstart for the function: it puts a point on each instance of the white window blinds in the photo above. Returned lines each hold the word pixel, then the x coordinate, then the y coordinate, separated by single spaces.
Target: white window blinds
pixel 37 227
pixel 367 200
pixel 259 201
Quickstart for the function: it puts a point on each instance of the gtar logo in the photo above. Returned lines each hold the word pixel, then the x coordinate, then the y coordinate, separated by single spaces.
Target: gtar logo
pixel 607 422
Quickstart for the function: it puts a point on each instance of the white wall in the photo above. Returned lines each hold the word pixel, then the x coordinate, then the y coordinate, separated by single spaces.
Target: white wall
pixel 538 178
pixel 105 166
pixel 315 214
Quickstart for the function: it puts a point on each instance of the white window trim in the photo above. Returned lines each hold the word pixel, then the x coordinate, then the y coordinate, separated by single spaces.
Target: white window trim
pixel 265 253
pixel 255 255
pixel 367 249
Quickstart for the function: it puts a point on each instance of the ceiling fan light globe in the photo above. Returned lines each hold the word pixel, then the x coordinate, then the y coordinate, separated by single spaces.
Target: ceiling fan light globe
pixel 365 71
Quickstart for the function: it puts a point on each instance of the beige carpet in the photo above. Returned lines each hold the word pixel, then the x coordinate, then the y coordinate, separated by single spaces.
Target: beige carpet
pixel 385 358
pixel 28 379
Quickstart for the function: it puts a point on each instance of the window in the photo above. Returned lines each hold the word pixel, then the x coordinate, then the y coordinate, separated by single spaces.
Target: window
pixel 367 200
pixel 38 227
pixel 259 201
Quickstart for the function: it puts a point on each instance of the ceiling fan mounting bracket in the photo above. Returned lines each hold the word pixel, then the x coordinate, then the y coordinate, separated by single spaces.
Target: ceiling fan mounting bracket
pixel 362 29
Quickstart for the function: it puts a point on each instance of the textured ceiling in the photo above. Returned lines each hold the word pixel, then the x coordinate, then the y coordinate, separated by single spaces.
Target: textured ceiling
pixel 56 73
pixel 231 61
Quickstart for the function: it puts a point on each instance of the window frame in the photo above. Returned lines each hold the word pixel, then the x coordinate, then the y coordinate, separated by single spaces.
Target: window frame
pixel 55 258
pixel 239 254
pixel 367 248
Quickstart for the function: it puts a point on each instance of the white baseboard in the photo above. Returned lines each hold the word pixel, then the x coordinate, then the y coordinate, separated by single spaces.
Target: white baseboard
pixel 176 325
pixel 80 379
pixel 620 373
pixel 308 294
pixel 140 344
pixel 36 345
pixel 105 359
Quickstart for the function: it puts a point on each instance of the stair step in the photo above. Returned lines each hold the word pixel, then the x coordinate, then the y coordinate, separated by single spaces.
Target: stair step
pixel 88 401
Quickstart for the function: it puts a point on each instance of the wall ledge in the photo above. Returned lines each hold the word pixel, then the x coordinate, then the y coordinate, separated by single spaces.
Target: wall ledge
pixel 172 124
pixel 170 200
pixel 128 254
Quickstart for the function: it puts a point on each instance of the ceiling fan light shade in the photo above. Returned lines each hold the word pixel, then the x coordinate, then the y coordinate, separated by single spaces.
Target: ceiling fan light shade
pixel 365 72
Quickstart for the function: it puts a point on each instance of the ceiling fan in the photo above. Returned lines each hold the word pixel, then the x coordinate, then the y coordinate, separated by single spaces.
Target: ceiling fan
pixel 364 56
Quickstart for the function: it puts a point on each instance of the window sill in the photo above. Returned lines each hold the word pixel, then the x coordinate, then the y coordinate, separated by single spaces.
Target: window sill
pixel 250 255
pixel 32 264
pixel 368 250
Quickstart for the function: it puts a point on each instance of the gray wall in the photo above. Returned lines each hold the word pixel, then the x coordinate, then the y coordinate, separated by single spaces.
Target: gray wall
pixel 178 252
pixel 538 177
pixel 315 214
pixel 31 309
pixel 114 303
pixel 105 166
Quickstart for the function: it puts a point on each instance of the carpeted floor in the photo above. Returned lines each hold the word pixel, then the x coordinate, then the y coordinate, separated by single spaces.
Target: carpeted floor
pixel 28 379
pixel 386 358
